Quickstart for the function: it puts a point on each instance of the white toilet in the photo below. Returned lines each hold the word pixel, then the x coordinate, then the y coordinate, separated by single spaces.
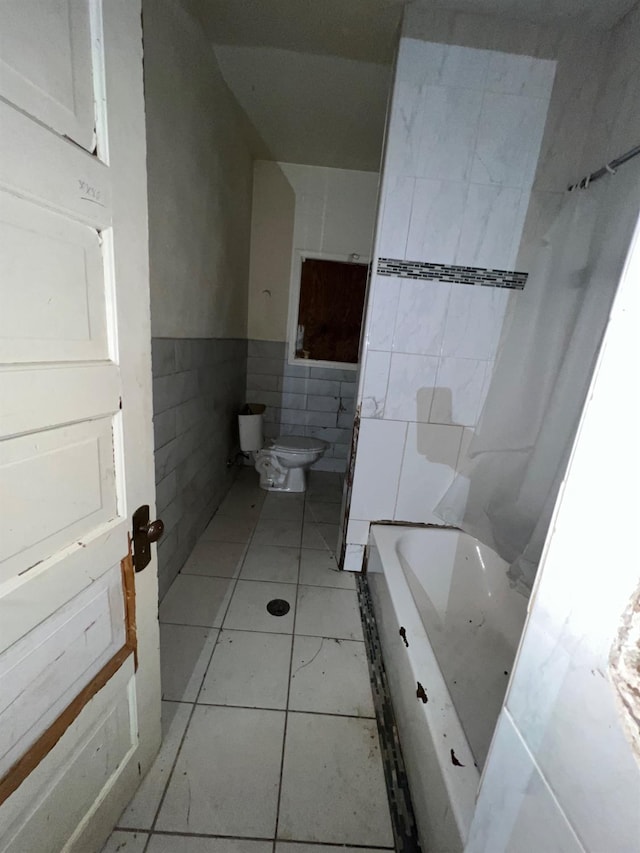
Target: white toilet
pixel 284 461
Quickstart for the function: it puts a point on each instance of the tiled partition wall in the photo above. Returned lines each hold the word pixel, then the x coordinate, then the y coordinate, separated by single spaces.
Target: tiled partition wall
pixel 301 400
pixel 198 388
pixel 462 147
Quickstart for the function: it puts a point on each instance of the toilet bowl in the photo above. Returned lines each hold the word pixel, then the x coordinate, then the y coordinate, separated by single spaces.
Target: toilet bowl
pixel 283 462
pixel 283 465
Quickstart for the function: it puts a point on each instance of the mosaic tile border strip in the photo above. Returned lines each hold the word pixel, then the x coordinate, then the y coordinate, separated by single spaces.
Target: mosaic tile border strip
pixel 405 831
pixel 457 275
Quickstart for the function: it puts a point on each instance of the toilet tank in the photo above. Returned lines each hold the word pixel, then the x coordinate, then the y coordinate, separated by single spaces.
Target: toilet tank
pixel 250 427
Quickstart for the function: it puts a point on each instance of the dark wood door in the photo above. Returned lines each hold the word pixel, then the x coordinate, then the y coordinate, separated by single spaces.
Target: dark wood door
pixel 331 306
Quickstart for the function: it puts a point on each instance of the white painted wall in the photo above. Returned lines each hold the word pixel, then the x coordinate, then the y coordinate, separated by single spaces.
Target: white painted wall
pixel 200 181
pixel 333 211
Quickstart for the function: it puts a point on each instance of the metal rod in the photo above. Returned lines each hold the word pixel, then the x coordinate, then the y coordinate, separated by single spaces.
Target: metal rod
pixel 609 169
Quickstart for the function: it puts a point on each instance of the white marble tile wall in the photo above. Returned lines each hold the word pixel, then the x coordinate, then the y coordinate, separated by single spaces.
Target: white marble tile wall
pixel 465 132
pixel 463 141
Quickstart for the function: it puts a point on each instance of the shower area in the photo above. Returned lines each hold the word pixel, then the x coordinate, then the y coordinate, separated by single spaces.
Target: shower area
pixel 494 271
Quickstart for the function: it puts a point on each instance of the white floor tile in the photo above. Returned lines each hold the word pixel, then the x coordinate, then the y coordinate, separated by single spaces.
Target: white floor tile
pixel 278 531
pixel 322 512
pixel 185 652
pixel 243 502
pixel 196 600
pixel 333 786
pixel 125 842
pixel 320 536
pixel 319 568
pixel 324 612
pixel 194 844
pixel 250 669
pixel 215 559
pixel 271 563
pixel 248 608
pixel 229 528
pixel 283 506
pixel 330 676
pixel 141 811
pixel 226 778
pixel 324 487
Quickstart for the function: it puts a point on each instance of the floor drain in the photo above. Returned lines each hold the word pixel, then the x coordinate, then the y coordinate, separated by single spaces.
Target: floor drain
pixel 278 607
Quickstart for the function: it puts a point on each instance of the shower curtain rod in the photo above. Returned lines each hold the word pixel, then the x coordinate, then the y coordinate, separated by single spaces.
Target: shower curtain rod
pixel 609 169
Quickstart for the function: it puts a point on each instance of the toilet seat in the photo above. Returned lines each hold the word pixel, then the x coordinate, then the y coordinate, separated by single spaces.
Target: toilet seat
pixel 293 444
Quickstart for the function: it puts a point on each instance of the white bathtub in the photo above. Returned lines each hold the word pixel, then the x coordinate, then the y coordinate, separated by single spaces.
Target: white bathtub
pixel 462 623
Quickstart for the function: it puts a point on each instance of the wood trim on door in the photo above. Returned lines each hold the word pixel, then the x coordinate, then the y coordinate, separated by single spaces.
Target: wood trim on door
pixel 25 765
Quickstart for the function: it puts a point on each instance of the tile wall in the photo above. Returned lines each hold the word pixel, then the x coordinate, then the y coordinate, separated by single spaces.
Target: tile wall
pixel 561 761
pixel 198 388
pixel 300 400
pixel 462 146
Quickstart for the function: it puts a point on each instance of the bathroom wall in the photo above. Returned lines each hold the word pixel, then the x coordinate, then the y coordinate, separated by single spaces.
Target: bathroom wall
pixel 199 183
pixel 561 761
pixel 297 207
pixel 464 136
pixel 475 188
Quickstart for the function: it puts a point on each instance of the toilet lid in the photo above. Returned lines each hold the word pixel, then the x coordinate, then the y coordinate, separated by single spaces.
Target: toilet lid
pixel 298 443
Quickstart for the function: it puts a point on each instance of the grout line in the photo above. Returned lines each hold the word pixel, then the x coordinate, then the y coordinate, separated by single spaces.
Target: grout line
pixel 278 710
pixel 278 633
pixel 293 635
pixel 194 705
pixel 172 834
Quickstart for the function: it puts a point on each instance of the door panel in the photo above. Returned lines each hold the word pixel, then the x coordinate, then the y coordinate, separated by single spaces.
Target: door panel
pixel 57 311
pixel 70 778
pixel 79 186
pixel 79 714
pixel 63 654
pixel 74 469
pixel 46 66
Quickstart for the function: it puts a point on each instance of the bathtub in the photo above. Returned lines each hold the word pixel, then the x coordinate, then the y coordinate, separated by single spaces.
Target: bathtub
pixel 449 626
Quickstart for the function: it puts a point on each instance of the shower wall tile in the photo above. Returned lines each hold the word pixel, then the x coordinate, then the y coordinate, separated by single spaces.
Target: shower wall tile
pixel 396 213
pixel 358 531
pixel 374 387
pixel 509 136
pixel 381 311
pixel 353 558
pixel 412 380
pixel 302 400
pixel 459 391
pixel 491 227
pixel 437 212
pixel 474 320
pixel 380 448
pixel 509 74
pixel 448 134
pixel 465 443
pixel 452 65
pixel 516 808
pixel 462 145
pixel 422 309
pixel 428 469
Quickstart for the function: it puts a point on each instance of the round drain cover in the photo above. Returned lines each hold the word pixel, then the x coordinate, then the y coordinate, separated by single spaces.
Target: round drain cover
pixel 278 607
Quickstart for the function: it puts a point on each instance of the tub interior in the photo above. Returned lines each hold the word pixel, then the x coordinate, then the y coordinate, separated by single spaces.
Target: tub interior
pixel 473 619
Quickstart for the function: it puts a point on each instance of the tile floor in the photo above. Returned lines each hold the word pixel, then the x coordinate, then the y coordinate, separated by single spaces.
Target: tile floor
pixel 270 739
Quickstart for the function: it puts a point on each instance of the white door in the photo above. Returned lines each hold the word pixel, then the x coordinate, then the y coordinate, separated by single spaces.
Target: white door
pixel 79 691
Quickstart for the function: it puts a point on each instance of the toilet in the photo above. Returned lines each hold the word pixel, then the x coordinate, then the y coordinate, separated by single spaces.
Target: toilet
pixel 283 463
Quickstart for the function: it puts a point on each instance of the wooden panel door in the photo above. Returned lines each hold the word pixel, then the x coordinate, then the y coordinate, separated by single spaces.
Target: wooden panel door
pixel 79 673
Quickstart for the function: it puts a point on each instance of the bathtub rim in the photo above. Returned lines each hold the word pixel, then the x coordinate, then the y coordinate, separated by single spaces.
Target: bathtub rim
pixel 441 718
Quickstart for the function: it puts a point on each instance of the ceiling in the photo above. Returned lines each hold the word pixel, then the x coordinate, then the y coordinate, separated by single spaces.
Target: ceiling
pixel 313 76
